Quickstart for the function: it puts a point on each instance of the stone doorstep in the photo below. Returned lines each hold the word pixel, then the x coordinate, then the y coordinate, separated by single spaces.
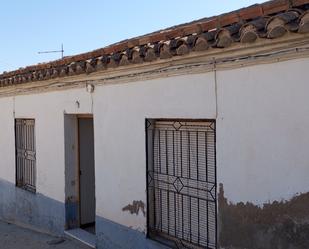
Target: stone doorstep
pixel 81 235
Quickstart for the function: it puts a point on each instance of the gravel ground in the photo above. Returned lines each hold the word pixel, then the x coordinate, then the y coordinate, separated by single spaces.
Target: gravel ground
pixel 14 237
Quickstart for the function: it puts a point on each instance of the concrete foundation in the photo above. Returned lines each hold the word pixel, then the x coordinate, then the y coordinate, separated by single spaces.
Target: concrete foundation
pixel 34 210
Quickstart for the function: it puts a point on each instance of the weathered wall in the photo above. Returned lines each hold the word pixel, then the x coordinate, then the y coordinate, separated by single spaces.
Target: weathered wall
pixel 262 155
pixel 262 141
pixel 33 210
pixel 119 119
pixel 48 111
pixel 7 140
pixel 277 224
pixel 119 122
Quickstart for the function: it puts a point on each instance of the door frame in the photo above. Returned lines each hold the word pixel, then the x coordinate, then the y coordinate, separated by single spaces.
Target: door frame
pixel 78 117
pixel 72 169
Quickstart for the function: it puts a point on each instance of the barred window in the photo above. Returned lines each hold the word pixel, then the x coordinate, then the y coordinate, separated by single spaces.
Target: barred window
pixel 181 181
pixel 25 154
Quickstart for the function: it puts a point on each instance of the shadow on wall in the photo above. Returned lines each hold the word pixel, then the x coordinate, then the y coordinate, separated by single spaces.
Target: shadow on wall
pixel 282 225
pixel 35 210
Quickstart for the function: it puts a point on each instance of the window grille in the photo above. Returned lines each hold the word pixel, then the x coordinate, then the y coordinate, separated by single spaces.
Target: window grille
pixel 181 183
pixel 25 154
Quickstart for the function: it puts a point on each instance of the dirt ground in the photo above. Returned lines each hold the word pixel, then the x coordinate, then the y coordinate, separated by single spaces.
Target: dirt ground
pixel 14 237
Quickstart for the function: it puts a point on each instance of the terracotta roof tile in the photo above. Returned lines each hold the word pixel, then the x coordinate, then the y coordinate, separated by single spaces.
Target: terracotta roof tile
pixel 251 13
pixel 225 20
pixel 271 19
pixel 210 24
pixel 296 3
pixel 274 7
pixel 133 43
pixel 192 29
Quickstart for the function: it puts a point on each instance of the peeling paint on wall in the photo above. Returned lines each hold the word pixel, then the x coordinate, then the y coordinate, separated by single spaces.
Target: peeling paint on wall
pixel 135 207
pixel 282 225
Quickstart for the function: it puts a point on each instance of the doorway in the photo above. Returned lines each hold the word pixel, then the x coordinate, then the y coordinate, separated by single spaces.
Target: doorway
pixel 79 173
pixel 86 173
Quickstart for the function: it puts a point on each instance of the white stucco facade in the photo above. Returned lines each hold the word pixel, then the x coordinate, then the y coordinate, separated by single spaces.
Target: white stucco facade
pixel 262 119
pixel 262 132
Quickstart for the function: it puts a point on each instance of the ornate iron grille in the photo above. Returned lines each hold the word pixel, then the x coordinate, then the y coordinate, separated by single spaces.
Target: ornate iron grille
pixel 25 154
pixel 181 180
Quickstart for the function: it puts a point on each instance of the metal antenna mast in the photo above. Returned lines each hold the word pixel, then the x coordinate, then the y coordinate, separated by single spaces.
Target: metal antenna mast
pixel 53 51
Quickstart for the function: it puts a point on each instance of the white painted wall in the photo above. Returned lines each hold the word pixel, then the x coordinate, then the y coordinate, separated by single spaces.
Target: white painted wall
pixel 262 133
pixel 119 122
pixel 48 111
pixel 7 140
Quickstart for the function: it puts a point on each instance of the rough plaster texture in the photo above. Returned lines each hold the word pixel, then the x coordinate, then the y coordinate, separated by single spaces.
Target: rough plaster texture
pixel 120 155
pixel 7 140
pixel 276 224
pixel 262 134
pixel 48 111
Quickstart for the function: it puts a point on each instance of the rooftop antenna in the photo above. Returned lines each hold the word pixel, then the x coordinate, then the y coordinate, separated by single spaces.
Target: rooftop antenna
pixel 54 51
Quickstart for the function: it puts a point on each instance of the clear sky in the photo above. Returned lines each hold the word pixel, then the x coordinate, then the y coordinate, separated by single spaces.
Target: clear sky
pixel 29 26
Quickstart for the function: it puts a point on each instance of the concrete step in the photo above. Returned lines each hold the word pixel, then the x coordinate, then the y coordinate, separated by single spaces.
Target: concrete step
pixel 82 236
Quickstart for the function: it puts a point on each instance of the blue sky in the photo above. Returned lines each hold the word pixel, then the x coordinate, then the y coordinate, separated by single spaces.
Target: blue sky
pixel 33 25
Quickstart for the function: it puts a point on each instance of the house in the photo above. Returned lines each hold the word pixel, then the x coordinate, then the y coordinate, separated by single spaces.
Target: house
pixel 191 137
